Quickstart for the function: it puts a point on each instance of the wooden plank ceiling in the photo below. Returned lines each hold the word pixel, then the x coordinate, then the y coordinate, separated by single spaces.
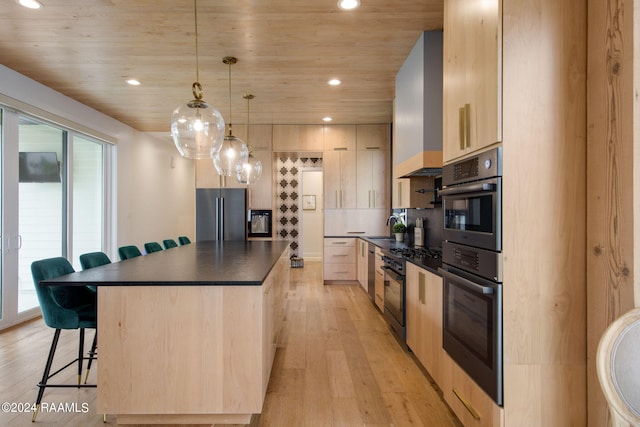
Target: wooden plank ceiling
pixel 286 51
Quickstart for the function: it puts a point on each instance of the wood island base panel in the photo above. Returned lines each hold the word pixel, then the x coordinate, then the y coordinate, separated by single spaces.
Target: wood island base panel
pixel 188 354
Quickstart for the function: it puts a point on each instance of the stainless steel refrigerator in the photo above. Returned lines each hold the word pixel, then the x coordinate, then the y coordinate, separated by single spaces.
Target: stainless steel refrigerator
pixel 221 213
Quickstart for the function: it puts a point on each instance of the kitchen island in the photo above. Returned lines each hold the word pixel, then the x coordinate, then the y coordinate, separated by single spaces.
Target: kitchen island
pixel 188 335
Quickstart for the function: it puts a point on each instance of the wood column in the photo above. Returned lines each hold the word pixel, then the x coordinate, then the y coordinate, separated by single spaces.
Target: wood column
pixel 610 179
pixel 544 219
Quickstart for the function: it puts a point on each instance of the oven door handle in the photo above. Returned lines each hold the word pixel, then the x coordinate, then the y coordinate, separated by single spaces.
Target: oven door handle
pixel 484 290
pixel 395 276
pixel 468 188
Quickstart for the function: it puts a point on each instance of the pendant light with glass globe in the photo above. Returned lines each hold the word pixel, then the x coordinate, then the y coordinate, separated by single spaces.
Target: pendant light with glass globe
pixel 196 127
pixel 233 153
pixel 252 169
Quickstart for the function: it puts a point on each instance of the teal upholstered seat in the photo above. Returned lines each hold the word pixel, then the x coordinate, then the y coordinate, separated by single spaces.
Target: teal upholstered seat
pixel 93 259
pixel 169 243
pixel 152 247
pixel 126 252
pixel 184 240
pixel 63 307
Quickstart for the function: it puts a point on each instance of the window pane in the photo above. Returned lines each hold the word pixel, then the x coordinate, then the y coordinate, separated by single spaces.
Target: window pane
pixel 88 209
pixel 40 206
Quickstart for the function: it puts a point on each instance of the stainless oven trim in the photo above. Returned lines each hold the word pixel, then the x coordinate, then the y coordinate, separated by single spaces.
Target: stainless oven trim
pixel 398 314
pixel 488 378
pixel 491 241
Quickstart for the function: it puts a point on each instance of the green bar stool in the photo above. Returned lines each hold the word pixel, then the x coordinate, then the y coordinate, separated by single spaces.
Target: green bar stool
pixel 184 240
pixel 152 247
pixel 169 243
pixel 63 307
pixel 126 252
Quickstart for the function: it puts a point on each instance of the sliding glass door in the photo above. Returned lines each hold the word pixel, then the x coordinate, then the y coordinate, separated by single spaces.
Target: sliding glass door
pixel 53 204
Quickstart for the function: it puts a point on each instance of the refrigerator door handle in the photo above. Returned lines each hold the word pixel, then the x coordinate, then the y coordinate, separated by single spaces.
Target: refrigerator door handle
pixel 221 219
pixel 217 215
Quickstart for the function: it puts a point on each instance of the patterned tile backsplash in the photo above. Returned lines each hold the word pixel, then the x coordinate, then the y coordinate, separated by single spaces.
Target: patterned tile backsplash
pixel 287 195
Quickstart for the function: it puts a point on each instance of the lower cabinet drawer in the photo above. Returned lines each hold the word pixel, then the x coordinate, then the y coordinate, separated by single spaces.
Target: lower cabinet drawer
pixel 472 406
pixel 337 271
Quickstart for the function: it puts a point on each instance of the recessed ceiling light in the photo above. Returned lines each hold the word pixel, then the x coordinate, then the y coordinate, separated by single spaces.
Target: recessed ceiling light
pixel 31 4
pixel 348 4
pixel 334 82
pixel 327 119
pixel 133 82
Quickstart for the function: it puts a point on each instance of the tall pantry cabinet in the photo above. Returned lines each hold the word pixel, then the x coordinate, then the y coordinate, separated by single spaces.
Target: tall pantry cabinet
pixel 472 75
pixel 515 75
pixel 356 201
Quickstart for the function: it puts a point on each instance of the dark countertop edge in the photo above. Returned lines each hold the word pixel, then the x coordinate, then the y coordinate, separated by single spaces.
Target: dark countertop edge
pixel 57 281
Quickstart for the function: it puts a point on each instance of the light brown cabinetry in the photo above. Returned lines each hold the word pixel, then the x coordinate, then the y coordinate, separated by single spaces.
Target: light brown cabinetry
pixel 372 178
pixel 472 406
pixel 339 260
pixel 379 280
pixel 407 193
pixel 472 76
pixel 363 263
pixel 339 179
pixel 424 318
pixel 356 187
pixel 296 138
pixel 356 222
pixel 372 137
pixel 216 370
pixel 339 137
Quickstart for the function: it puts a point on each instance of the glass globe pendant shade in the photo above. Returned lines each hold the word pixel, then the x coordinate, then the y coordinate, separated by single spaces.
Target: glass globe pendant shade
pixel 232 156
pixel 250 172
pixel 197 129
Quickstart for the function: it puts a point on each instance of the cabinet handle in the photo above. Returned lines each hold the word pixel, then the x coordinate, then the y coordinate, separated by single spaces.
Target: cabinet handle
pixel 338 243
pixel 466 404
pixel 461 127
pixel 399 194
pixel 369 198
pixel 373 148
pixel 356 232
pixel 467 130
pixel 337 199
pixel 421 293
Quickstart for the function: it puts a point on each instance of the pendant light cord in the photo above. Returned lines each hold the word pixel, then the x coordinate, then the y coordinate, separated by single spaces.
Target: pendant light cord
pixel 195 14
pixel 230 117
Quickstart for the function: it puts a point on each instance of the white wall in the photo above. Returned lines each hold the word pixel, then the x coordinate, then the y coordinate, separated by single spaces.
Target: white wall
pixel 154 186
pixel 312 220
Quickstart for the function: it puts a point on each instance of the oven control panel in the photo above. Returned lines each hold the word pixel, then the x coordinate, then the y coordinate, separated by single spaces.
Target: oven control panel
pixel 482 262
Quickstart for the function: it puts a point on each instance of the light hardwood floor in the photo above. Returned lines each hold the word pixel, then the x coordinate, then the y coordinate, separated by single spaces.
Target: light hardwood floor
pixel 336 365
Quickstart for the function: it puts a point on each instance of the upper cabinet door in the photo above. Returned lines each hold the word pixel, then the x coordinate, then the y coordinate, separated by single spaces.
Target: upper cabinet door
pixel 472 76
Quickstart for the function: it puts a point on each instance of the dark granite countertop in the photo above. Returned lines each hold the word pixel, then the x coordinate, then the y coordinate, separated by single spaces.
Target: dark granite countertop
pixel 429 264
pixel 207 263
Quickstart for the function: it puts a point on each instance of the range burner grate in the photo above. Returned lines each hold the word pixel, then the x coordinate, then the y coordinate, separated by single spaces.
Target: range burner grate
pixel 434 253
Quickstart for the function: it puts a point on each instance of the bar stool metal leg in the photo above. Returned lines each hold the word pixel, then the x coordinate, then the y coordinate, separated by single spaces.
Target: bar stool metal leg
pixel 45 375
pixel 92 355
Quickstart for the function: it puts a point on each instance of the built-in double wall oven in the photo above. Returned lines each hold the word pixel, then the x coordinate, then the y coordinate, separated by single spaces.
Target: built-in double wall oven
pixel 472 268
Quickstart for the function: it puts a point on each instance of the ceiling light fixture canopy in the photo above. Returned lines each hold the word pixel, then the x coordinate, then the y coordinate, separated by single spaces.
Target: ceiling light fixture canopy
pixel 252 169
pixel 233 154
pixel 196 127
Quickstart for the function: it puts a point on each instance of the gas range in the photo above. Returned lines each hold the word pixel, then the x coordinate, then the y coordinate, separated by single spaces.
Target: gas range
pixel 417 253
pixel 396 257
